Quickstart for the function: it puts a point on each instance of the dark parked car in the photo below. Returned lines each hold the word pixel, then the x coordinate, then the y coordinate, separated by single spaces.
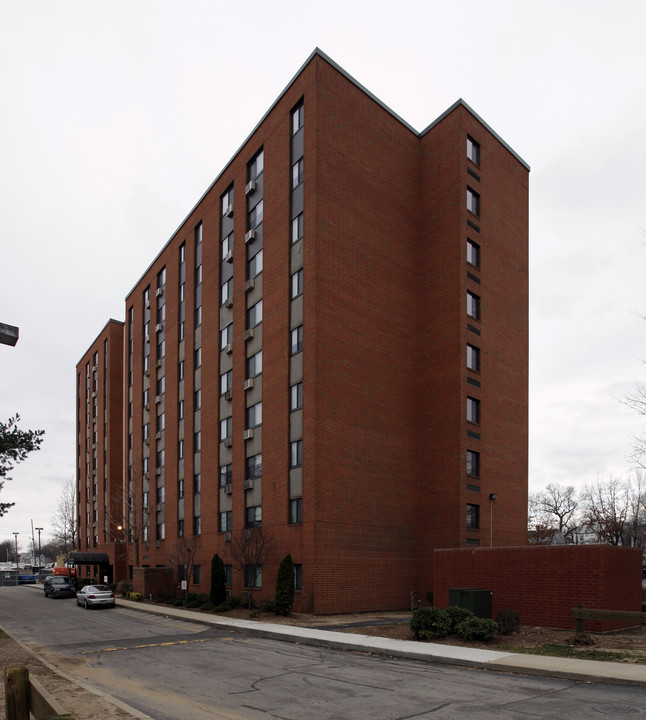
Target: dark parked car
pixel 58 586
pixel 95 596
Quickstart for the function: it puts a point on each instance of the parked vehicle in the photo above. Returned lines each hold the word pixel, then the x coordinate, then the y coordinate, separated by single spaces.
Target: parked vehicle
pixel 58 586
pixel 64 570
pixel 95 596
pixel 26 579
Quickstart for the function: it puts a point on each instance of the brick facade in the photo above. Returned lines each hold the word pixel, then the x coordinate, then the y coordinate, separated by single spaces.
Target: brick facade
pixel 383 368
pixel 544 582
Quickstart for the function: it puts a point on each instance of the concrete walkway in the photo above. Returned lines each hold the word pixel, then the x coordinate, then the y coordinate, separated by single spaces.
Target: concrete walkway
pixel 572 669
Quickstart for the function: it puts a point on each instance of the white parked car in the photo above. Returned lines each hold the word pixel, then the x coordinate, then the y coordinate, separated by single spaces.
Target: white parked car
pixel 95 596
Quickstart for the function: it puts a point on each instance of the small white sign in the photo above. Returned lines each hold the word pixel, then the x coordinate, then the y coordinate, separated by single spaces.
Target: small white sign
pixel 184 585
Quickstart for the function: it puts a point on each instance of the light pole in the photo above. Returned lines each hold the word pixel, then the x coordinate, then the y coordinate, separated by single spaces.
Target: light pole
pixel 15 535
pixel 492 497
pixel 39 553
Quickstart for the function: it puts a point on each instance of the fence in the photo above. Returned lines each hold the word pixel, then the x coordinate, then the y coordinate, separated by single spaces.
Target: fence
pixel 24 695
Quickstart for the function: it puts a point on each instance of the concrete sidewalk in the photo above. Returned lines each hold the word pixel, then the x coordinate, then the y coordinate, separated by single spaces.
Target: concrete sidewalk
pixel 572 669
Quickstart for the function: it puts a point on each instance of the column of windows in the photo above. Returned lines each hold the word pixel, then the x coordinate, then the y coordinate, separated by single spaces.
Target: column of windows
pixel 197 384
pixel 181 372
pixel 295 509
pixel 473 360
pixel 160 404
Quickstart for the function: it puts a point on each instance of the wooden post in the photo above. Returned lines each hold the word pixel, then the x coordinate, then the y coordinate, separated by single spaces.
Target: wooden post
pixel 16 692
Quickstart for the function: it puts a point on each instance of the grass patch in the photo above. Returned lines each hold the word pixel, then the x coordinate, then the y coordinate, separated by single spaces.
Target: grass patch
pixel 554 650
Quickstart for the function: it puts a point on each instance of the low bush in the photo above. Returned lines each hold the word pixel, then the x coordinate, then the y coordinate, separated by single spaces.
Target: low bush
pixel 177 602
pixel 457 615
pixel 430 622
pixel 508 621
pixel 476 628
pixel 266 605
pixel 123 588
pixel 135 597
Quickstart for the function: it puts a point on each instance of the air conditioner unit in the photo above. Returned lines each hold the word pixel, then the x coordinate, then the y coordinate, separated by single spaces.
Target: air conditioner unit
pixel 228 348
pixel 158 435
pixel 157 471
pixel 249 285
pixel 228 395
pixel 228 302
pixel 227 489
pixel 147 304
pixel 146 476
pixel 146 441
pixel 228 442
pixel 159 327
pixel 146 373
pixel 228 211
pixel 248 334
pixel 248 434
pixel 158 508
pixel 158 399
pixel 147 407
pixel 248 384
pixel 248 484
pixel 146 338
pixel 159 292
pixel 227 537
pixel 250 187
pixel 229 257
pixel 251 234
pixel 158 364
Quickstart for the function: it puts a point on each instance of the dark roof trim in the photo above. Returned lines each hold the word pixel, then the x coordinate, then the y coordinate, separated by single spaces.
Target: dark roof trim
pixel 88 558
pixel 339 69
pixel 461 102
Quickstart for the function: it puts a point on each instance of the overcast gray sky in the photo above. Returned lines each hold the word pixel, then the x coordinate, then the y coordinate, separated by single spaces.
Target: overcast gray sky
pixel 116 117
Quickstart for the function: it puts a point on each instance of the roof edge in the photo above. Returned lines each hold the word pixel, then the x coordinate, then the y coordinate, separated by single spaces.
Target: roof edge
pixel 101 331
pixel 469 109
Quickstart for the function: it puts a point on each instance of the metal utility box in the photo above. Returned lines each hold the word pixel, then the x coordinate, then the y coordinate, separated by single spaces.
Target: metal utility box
pixel 478 600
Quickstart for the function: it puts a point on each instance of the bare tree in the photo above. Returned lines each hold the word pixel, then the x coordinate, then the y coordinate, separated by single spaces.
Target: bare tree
pixel 184 556
pixel 609 509
pixel 539 529
pixel 553 514
pixel 248 551
pixel 64 529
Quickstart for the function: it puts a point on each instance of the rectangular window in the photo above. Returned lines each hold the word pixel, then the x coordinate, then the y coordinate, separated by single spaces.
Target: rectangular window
pixel 197 525
pixel 254 466
pixel 473 410
pixel 297 340
pixel 226 522
pixel 161 531
pixel 297 284
pixel 227 202
pixel 180 450
pixel 473 516
pixel 226 381
pixel 254 415
pixel 161 385
pixel 198 274
pixel 160 495
pixel 197 573
pixel 180 528
pixel 226 293
pixel 296 396
pixel 256 166
pixel 254 315
pixel 225 428
pixel 180 488
pixel 197 361
pixel 197 483
pixel 473 358
pixel 298 577
pixel 197 441
pixel 296 453
pixel 297 228
pixel 197 399
pixel 226 336
pixel 253 516
pixel 255 216
pixel 254 266
pixel 228 573
pixel 473 150
pixel 473 201
pixel 473 253
pixel 182 292
pixel 473 463
pixel 297 173
pixel 254 365
pixel 161 458
pixel 227 245
pixel 226 475
pixel 298 117
pixel 180 410
pixel 473 305
pixel 253 576
pixel 180 372
pixel 296 510
pixel 198 316
pixel 182 331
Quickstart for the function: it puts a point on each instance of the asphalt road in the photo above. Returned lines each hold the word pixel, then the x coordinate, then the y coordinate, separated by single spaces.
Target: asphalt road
pixel 171 669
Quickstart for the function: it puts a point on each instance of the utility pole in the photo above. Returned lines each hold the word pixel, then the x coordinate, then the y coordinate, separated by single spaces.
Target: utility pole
pixel 39 553
pixel 15 535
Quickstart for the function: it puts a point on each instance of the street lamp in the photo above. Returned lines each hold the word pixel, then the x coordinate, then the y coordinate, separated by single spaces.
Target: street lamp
pixel 15 535
pixel 492 497
pixel 40 561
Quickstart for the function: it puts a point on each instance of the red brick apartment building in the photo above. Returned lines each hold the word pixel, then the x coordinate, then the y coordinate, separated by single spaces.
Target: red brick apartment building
pixel 332 349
